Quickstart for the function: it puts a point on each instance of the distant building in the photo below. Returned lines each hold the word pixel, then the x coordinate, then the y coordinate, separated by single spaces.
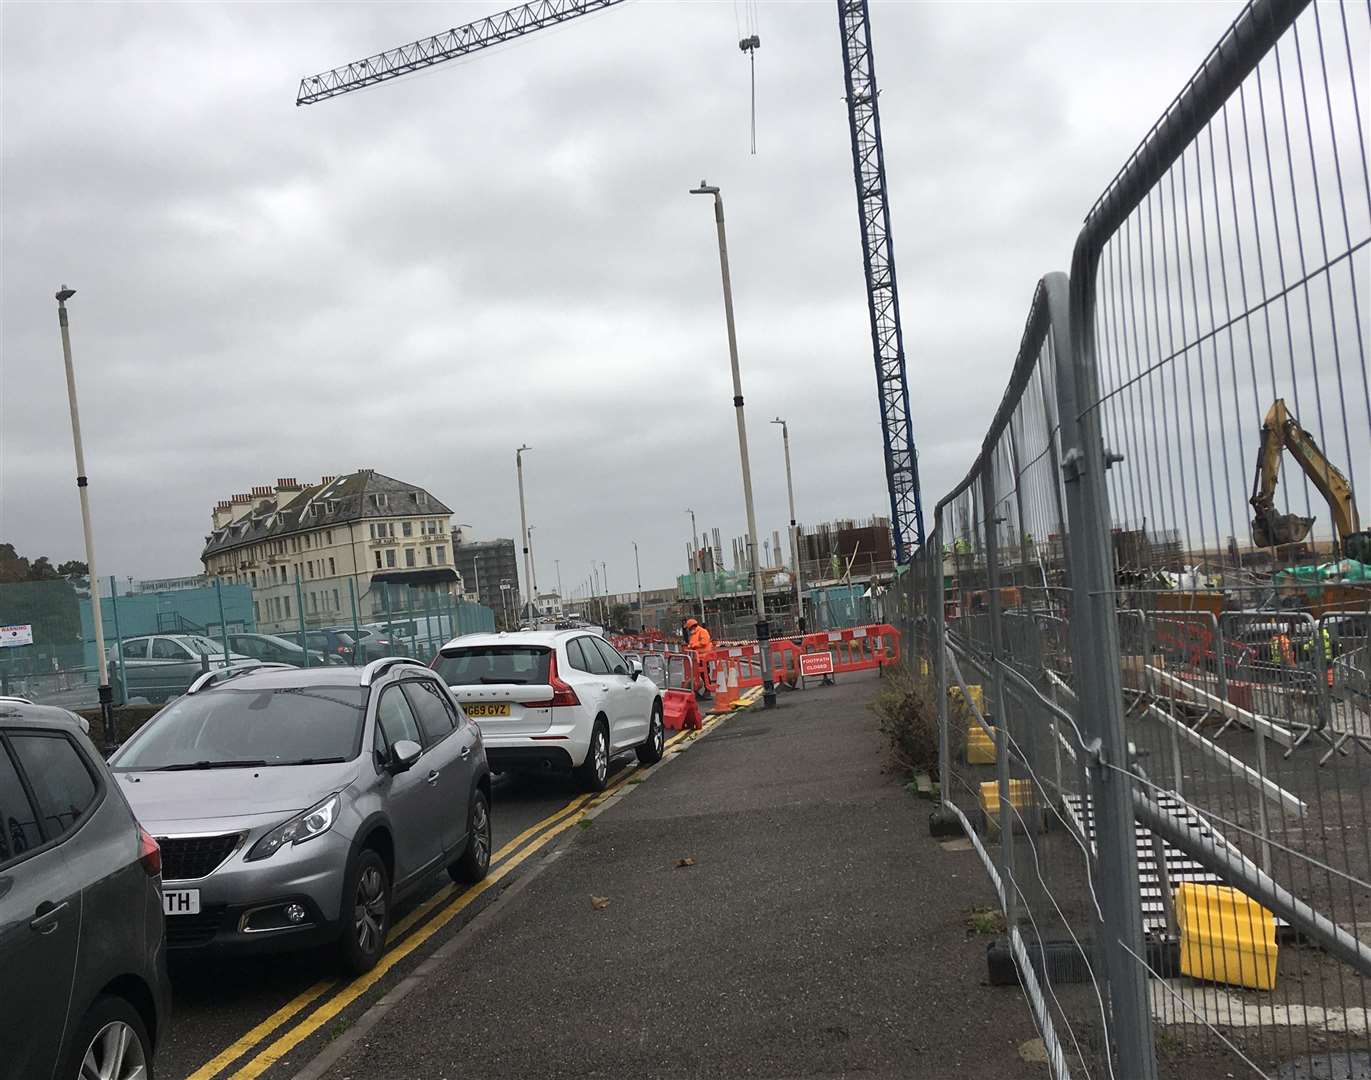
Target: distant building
pixel 171 584
pixel 484 565
pixel 309 548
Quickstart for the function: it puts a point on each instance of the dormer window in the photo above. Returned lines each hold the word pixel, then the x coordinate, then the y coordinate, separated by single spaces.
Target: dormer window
pixel 379 501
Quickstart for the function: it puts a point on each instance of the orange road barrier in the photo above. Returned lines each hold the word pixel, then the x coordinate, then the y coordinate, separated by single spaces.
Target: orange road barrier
pixel 680 711
pixel 857 648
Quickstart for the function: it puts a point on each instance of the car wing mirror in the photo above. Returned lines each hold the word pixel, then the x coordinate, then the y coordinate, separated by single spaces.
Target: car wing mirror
pixel 635 667
pixel 403 755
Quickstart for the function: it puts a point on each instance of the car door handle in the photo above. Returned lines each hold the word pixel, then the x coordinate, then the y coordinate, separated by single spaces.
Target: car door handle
pixel 432 777
pixel 466 752
pixel 47 916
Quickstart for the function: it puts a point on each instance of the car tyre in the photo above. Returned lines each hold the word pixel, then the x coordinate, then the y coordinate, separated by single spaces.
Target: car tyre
pixel 475 861
pixel 651 751
pixel 366 912
pixel 111 1041
pixel 593 774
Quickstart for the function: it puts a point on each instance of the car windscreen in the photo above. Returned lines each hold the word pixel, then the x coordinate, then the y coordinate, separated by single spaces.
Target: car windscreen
pixel 493 664
pixel 224 727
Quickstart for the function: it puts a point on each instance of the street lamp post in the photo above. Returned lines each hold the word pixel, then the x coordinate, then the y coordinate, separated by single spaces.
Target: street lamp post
pixel 794 529
pixel 604 577
pixel 533 571
pixel 558 564
pixel 523 517
pixel 759 598
pixel 638 570
pixel 694 564
pixel 504 600
pixel 106 694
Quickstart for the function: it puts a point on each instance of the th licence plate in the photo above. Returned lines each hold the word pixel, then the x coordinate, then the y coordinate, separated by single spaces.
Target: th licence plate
pixel 181 901
pixel 481 710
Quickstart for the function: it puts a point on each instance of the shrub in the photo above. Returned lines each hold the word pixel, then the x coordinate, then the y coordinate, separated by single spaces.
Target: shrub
pixel 908 721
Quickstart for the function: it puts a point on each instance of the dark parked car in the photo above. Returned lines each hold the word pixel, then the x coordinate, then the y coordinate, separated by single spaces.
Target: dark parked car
pixel 335 642
pixel 83 981
pixel 271 649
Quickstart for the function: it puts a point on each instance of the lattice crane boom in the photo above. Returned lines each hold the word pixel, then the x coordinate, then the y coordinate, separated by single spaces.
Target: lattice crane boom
pixel 868 166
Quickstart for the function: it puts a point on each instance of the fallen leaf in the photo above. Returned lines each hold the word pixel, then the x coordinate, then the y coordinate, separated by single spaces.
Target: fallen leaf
pixel 599 903
pixel 689 860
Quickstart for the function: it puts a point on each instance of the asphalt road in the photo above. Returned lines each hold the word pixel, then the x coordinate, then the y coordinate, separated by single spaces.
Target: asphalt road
pixel 219 1001
pixel 817 932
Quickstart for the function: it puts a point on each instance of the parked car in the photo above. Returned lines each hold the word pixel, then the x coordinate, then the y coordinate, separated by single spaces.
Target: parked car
pixel 334 642
pixel 162 666
pixel 271 649
pixel 554 700
pixel 82 964
pixel 294 807
pixel 373 643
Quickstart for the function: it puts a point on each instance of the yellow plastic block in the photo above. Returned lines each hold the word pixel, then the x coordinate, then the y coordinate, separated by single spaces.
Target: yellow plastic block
pixel 977 696
pixel 923 668
pixel 1226 936
pixel 980 747
pixel 1020 797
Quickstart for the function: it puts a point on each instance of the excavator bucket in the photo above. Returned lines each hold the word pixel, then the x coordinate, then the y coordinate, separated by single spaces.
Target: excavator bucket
pixel 1278 530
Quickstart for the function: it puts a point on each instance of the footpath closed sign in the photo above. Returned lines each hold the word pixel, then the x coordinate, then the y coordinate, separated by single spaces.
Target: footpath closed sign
pixel 11 636
pixel 816 663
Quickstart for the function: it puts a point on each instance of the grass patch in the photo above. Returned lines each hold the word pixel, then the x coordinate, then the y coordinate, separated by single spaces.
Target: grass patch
pixel 985 921
pixel 585 823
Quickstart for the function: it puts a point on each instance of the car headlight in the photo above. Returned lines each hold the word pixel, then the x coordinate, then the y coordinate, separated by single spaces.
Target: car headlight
pixel 315 821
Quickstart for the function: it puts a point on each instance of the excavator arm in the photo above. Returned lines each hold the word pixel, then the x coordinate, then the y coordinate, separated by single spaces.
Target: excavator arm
pixel 1281 432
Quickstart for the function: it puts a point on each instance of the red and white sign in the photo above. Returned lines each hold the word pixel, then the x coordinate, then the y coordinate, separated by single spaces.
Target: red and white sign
pixel 816 663
pixel 15 636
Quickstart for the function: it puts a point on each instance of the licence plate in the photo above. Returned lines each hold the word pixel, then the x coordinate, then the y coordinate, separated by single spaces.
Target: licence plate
pixel 181 901
pixel 479 710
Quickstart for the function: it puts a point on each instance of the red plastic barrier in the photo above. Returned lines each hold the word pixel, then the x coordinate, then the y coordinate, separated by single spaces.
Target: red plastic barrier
pixel 857 648
pixel 747 661
pixel 679 711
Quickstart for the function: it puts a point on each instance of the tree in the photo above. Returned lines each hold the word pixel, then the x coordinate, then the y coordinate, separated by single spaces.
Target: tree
pixel 73 568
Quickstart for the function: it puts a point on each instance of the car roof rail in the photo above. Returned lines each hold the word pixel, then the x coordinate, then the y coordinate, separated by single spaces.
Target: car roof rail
pixel 377 668
pixel 219 675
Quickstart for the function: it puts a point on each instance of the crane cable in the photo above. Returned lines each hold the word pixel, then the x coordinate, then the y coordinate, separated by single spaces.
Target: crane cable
pixel 750 44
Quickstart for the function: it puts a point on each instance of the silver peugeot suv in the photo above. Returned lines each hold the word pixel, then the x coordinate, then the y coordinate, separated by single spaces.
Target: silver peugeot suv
pixel 294 807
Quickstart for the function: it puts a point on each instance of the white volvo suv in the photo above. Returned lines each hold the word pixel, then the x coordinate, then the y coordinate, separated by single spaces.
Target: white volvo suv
pixel 559 700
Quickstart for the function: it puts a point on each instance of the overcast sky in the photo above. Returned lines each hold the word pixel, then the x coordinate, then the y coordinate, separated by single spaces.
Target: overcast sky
pixel 418 277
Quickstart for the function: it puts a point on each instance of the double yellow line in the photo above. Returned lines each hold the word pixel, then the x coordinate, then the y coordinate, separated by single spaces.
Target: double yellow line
pixel 339 995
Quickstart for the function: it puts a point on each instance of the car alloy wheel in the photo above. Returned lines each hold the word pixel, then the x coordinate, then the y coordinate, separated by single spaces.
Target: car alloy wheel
pixel 369 910
pixel 601 752
pixel 480 834
pixel 658 733
pixel 115 1053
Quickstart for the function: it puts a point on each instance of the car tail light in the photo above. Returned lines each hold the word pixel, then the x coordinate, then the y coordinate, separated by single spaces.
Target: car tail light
pixel 562 693
pixel 149 853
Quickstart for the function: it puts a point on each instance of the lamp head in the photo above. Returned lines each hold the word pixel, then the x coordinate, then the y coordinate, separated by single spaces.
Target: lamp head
pixel 704 189
pixel 64 294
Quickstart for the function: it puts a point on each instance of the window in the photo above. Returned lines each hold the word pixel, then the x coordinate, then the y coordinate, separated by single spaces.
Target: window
pixel 21 832
pixel 378 560
pixel 526 665
pixel 395 721
pixel 585 657
pixel 311 568
pixel 256 612
pixel 407 528
pixel 442 554
pixel 166 649
pixel 373 530
pixel 62 784
pixel 287 599
pixel 336 604
pixel 328 533
pixel 428 556
pixel 409 556
pixel 332 570
pixel 254 579
pixel 134 649
pixel 378 501
pixel 617 664
pixel 314 603
pixel 390 556
pixel 426 698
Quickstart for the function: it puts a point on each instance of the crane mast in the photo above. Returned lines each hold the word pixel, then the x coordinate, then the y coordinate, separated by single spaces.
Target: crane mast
pixel 868 167
pixel 883 301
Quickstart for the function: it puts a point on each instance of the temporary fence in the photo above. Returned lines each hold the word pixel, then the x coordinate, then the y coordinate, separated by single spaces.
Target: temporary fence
pixel 156 644
pixel 1158 738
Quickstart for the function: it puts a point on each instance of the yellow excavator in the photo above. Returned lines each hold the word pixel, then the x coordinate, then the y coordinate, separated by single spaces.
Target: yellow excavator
pixel 1280 432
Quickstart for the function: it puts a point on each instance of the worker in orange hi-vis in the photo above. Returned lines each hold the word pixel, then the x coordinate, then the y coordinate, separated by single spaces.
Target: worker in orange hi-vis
pixel 698 641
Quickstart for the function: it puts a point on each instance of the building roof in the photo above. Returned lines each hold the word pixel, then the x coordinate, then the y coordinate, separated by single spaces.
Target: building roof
pixel 342 500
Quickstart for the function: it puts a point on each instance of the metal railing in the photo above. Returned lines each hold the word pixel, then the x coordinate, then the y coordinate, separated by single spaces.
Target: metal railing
pixel 1159 747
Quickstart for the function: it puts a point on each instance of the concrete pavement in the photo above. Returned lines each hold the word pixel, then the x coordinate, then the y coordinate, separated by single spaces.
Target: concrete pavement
pixel 820 931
